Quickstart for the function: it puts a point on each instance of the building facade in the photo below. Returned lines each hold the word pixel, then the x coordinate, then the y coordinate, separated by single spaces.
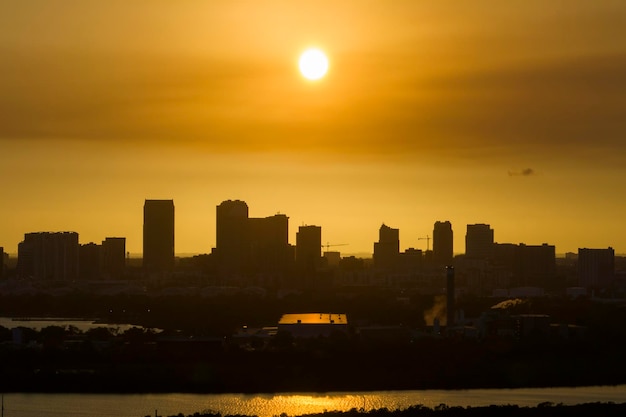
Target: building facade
pixel 50 256
pixel 443 239
pixel 596 268
pixel 232 248
pixel 479 241
pixel 308 248
pixel 158 235
pixel 387 249
pixel 113 257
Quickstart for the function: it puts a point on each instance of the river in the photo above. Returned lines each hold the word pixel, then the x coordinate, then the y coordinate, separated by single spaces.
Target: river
pixel 140 405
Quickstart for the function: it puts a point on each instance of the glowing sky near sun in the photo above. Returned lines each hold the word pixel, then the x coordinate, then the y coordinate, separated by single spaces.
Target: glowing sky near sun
pixel 508 113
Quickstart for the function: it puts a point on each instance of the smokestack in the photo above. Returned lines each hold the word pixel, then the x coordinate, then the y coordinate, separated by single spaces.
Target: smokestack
pixel 450 296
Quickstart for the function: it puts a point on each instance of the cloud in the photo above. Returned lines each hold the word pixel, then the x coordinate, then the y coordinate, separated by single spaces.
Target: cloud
pixel 523 173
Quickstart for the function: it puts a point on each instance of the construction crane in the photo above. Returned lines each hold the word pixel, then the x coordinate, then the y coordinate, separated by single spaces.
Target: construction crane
pixel 427 239
pixel 328 245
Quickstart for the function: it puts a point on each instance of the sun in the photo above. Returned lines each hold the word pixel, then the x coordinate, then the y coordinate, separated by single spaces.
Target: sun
pixel 313 64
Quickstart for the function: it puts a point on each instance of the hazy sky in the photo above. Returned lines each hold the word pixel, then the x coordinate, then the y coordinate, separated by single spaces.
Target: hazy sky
pixel 508 113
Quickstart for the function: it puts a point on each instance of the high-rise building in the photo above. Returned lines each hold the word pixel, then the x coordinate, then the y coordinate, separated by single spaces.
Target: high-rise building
pixel 269 243
pixel 114 257
pixel 158 235
pixel 479 241
pixel 232 229
pixel 49 256
pixel 443 243
pixel 525 265
pixel 387 249
pixel 308 247
pixel 90 261
pixel 537 265
pixel 596 267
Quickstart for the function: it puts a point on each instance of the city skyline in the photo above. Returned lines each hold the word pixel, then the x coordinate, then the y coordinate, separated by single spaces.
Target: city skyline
pixel 510 114
pixel 240 209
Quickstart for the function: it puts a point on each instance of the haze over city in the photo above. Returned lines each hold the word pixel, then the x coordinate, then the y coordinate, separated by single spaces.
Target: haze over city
pixel 511 114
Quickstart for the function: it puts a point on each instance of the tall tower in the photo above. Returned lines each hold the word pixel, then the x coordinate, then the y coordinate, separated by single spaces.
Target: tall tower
pixel 443 243
pixel 387 249
pixel 232 238
pixel 158 235
pixel 479 241
pixel 269 243
pixel 308 247
pixel 114 256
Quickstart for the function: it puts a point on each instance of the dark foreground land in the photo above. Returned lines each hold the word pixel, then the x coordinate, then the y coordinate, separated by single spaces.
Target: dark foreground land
pixel 542 410
pixel 455 366
pixel 199 350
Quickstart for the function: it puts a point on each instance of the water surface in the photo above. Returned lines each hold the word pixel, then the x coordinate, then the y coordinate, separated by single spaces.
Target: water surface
pixel 140 405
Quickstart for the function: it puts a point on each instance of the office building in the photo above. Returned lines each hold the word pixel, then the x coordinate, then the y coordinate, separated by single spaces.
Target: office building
pixel 387 249
pixel 479 241
pixel 525 265
pixel 113 257
pixel 232 229
pixel 596 268
pixel 443 243
pixel 158 235
pixel 50 256
pixel 270 251
pixel 90 261
pixel 308 247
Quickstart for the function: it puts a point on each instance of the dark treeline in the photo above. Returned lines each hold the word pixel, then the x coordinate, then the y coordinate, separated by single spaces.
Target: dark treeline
pixel 442 410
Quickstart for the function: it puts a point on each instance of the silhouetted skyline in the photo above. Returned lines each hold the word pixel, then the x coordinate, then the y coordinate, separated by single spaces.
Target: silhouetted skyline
pixel 235 230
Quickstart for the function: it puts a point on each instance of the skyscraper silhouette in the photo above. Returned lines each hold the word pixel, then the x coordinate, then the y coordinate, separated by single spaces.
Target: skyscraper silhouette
pixel 269 244
pixel 158 235
pixel 479 241
pixel 232 231
pixel 308 247
pixel 443 243
pixel 113 257
pixel 387 249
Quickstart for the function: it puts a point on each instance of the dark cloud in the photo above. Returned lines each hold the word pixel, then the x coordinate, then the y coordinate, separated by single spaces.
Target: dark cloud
pixel 524 172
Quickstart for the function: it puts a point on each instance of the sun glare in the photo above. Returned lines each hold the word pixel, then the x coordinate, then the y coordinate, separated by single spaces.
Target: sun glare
pixel 313 64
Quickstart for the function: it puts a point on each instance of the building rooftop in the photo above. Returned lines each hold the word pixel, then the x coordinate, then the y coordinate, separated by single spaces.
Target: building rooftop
pixel 314 318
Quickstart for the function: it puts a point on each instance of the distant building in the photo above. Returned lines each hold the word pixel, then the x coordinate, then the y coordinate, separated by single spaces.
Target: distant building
pixel 232 247
pixel 411 260
pixel 270 251
pixel 479 241
pixel 596 267
pixel 48 256
pixel 537 265
pixel 332 258
pixel 90 261
pixel 526 265
pixel 113 257
pixel 387 249
pixel 158 235
pixel 308 248
pixel 313 324
pixel 443 243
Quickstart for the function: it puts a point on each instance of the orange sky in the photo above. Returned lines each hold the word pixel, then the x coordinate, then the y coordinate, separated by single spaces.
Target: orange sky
pixel 425 111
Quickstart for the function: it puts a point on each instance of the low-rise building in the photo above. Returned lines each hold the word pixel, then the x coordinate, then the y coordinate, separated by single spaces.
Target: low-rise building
pixel 313 324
